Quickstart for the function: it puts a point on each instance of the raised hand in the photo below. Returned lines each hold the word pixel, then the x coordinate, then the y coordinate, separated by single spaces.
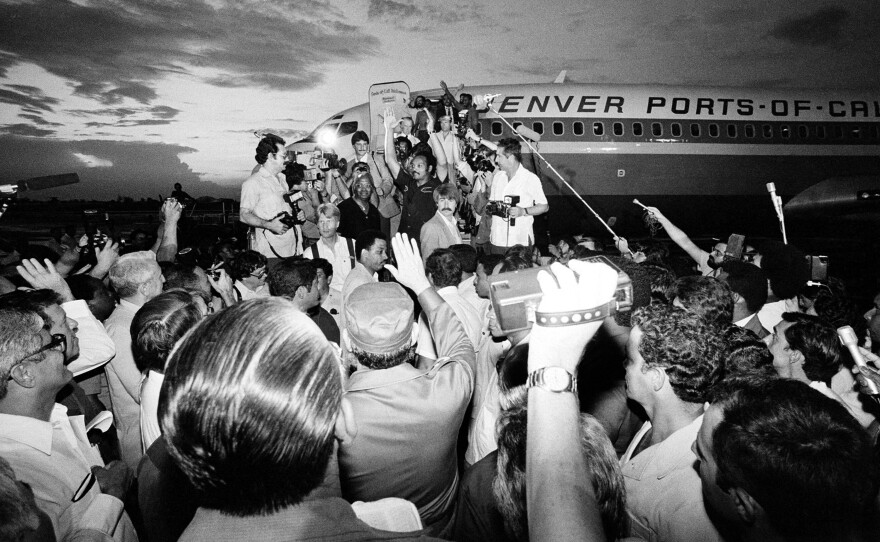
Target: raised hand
pixel 410 270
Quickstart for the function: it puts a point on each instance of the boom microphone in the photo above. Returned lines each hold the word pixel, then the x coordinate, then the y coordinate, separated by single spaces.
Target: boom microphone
pixel 777 201
pixel 484 100
pixel 848 338
pixel 528 133
pixel 40 183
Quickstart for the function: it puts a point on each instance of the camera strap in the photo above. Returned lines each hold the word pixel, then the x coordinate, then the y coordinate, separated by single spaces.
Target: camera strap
pixel 574 318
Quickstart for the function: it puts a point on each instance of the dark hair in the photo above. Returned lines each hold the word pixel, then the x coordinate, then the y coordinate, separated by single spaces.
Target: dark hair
pixel 818 343
pixel 247 262
pixel 708 297
pixel 429 157
pixel 186 277
pixel 378 362
pixel 799 454
pixel 662 280
pixel 522 251
pixel 37 301
pixel 515 262
pixel 405 142
pixel 268 145
pixel 444 268
pixel 291 274
pixel 747 280
pixel 249 405
pixel 489 261
pixel 511 146
pixel 323 265
pixel 786 268
pixel 745 354
pixel 449 191
pixel 360 135
pixel 467 257
pixel 158 325
pixel 366 239
pixel 84 287
pixel 685 345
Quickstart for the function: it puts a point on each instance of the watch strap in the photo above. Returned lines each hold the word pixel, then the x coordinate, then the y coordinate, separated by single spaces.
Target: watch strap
pixel 536 379
pixel 574 318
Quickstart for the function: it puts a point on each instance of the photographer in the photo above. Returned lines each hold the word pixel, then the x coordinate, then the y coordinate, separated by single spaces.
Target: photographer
pixel 274 233
pixel 527 197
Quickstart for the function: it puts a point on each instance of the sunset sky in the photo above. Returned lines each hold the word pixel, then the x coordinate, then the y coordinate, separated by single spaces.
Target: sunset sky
pixel 136 95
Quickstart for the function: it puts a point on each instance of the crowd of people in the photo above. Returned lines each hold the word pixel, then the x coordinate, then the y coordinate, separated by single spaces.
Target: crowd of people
pixel 346 375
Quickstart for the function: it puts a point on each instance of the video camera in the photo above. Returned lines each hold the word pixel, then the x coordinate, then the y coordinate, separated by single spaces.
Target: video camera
pixel 516 295
pixel 502 208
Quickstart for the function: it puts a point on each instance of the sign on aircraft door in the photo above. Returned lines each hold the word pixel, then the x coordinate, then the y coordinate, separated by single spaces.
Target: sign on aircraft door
pixel 394 94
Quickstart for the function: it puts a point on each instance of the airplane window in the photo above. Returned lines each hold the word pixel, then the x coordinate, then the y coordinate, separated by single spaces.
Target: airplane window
pixel 347 128
pixel 598 129
pixel 767 130
pixel 875 132
pixel 731 131
pixel 785 131
pixel 803 131
pixel 820 132
pixel 676 129
pixel 617 128
pixel 637 129
pixel 656 129
pixel 558 128
pixel 578 128
pixel 750 130
pixel 538 127
pixel 695 130
pixel 838 132
pixel 496 128
pixel 713 130
pixel 516 124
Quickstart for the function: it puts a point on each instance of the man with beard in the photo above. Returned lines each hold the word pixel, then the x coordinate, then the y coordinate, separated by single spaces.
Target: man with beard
pixel 706 262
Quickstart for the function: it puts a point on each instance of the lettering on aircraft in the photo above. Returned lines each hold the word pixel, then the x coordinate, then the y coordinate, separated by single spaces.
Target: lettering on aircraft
pixel 693 106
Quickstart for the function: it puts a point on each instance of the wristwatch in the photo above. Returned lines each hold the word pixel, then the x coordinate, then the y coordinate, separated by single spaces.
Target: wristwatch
pixel 555 379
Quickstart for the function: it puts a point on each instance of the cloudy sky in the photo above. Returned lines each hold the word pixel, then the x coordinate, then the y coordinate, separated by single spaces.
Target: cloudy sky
pixel 135 95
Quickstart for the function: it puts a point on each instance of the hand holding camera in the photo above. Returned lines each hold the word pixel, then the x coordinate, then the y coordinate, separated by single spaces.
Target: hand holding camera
pixel 279 224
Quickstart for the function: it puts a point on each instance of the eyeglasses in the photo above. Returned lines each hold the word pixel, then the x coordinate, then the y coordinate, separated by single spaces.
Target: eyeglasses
pixel 58 342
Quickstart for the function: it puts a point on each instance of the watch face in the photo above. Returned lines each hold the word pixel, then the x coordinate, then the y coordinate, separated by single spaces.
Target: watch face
pixel 556 379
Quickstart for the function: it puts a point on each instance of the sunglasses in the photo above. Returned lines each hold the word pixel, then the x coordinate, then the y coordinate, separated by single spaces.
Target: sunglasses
pixel 58 342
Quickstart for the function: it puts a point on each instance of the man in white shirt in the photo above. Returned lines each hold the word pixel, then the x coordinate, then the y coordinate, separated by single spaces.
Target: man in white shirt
pixel 262 204
pixel 337 250
pixel 47 449
pixel 137 278
pixel 514 180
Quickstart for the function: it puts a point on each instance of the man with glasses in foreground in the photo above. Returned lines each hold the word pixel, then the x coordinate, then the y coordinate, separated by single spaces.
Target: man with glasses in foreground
pixel 47 449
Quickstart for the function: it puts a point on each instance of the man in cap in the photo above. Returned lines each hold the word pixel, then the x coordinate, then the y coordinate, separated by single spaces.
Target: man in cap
pixel 407 419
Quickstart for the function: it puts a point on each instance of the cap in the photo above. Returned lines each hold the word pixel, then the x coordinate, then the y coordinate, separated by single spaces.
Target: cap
pixel 379 317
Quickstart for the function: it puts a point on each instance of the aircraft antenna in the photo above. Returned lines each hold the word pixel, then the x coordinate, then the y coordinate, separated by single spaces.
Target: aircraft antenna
pixel 553 169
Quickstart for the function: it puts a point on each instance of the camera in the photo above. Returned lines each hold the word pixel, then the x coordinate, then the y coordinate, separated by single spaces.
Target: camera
pixel 734 250
pixel 289 219
pixel 818 268
pixel 502 208
pixel 516 295
pixel 99 240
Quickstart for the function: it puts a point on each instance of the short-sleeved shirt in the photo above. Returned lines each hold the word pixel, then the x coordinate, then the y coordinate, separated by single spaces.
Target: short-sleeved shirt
pixel 339 257
pixel 527 186
pixel 418 203
pixel 263 194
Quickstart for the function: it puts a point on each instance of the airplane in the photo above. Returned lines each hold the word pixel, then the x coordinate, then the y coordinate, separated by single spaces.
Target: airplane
pixel 702 155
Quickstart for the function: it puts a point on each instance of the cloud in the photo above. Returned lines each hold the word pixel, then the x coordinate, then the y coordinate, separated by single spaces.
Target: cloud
pixel 32 97
pixel 138 169
pixel 92 161
pixel 117 49
pixel 26 130
pixel 37 119
pixel 822 27
pixel 422 16
pixel 164 112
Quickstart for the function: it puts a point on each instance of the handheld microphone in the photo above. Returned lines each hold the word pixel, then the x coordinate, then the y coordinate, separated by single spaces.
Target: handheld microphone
pixel 528 133
pixel 848 338
pixel 485 100
pixel 777 201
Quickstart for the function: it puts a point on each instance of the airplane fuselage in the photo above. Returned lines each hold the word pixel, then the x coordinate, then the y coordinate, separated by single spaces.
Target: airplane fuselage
pixel 697 153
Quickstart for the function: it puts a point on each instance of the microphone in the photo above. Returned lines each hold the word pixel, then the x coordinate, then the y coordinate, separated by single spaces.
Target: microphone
pixel 777 201
pixel 485 100
pixel 528 133
pixel 40 183
pixel 848 338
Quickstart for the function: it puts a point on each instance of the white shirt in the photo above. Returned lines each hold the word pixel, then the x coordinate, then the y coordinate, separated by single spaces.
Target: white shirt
pixel 262 193
pixel 55 459
pixel 246 293
pixel 771 313
pixel 124 381
pixel 95 346
pixel 527 186
pixel 338 256
pixel 482 437
pixel 467 314
pixel 467 291
pixel 150 388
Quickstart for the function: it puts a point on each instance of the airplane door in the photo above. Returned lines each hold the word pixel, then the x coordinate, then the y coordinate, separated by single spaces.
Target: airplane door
pixel 393 94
